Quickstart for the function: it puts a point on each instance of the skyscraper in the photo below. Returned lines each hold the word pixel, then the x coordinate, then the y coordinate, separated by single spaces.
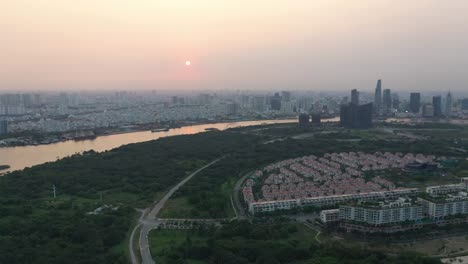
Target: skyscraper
pixel 415 102
pixel 437 104
pixel 448 105
pixel 316 118
pixel 345 100
pixel 356 116
pixel 464 103
pixel 387 99
pixel 395 101
pixel 275 102
pixel 378 97
pixel 259 103
pixel 304 119
pixel 3 127
pixel 286 96
pixel 428 110
pixel 355 97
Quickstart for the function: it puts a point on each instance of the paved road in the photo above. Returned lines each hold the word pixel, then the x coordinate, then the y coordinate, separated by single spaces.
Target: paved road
pixel 132 235
pixel 235 199
pixel 149 222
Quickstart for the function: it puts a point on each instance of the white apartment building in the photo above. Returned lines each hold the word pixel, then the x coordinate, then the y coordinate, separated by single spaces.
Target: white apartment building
pixel 270 206
pixel 440 207
pixel 329 216
pixel 444 189
pixel 382 213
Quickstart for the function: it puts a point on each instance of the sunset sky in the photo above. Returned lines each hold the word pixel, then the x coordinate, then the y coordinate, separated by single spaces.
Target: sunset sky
pixel 233 44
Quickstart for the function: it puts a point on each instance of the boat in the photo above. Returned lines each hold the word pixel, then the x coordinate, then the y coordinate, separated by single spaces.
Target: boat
pixel 81 138
pixel 160 130
pixel 211 129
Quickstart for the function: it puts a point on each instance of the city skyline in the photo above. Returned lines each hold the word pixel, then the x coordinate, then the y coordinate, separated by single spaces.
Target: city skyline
pixel 234 45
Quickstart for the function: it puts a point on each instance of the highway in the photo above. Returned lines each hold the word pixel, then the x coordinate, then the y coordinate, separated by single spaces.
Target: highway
pixel 149 221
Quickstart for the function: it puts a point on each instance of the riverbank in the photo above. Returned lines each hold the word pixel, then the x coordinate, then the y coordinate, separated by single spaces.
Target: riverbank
pixel 21 157
pixel 25 139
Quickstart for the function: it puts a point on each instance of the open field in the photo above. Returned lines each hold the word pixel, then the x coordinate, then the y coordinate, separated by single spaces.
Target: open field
pixel 162 242
pixel 179 207
pixel 440 245
pixel 418 179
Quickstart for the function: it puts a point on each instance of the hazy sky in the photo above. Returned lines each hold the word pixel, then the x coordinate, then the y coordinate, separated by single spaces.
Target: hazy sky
pixel 233 44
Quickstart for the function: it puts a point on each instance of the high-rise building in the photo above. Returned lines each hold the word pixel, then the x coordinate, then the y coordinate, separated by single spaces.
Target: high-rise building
pixel 345 100
pixel 232 108
pixel 316 118
pixel 304 119
pixel 387 99
pixel 464 104
pixel 259 103
pixel 355 97
pixel 204 99
pixel 356 116
pixel 181 100
pixel 428 110
pixel 275 102
pixel 395 101
pixel 3 127
pixel 415 102
pixel 378 97
pixel 244 100
pixel 448 105
pixel 437 104
pixel 286 96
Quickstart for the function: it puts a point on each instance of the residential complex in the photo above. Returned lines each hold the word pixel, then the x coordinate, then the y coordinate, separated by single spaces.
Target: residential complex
pixel 324 181
pixel 355 200
pixel 445 205
pixel 382 212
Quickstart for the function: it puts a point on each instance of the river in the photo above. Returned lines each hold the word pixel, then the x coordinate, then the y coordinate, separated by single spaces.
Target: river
pixel 26 156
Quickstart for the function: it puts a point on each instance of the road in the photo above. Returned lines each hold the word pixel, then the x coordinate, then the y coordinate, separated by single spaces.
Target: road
pixel 149 221
pixel 235 199
pixel 132 235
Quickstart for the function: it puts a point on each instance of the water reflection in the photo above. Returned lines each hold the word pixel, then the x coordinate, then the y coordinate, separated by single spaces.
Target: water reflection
pixel 21 157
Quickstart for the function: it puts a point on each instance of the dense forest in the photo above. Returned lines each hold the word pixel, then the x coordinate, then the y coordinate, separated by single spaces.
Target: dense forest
pixel 36 228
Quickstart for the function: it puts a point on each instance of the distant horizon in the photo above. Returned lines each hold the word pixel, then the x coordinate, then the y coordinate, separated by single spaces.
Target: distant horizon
pixel 182 45
pixel 457 94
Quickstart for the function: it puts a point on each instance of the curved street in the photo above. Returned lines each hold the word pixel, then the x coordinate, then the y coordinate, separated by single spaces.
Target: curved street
pixel 150 222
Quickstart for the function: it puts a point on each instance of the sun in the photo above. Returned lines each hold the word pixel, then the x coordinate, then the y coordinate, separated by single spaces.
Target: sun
pixel 188 63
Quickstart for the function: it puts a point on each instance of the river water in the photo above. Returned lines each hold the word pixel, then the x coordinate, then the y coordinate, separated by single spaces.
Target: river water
pixel 26 156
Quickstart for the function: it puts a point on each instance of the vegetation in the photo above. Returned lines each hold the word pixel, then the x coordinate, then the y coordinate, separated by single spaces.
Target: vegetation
pixel 36 228
pixel 241 242
pixel 207 197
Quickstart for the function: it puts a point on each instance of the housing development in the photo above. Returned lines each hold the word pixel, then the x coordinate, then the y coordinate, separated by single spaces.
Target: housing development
pixel 352 194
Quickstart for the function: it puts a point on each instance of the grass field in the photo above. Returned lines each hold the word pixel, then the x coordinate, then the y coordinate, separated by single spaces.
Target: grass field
pixel 180 207
pixel 417 179
pixel 161 241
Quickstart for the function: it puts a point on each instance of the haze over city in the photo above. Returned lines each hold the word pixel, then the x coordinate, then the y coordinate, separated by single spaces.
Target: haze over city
pixel 233 131
pixel 321 45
